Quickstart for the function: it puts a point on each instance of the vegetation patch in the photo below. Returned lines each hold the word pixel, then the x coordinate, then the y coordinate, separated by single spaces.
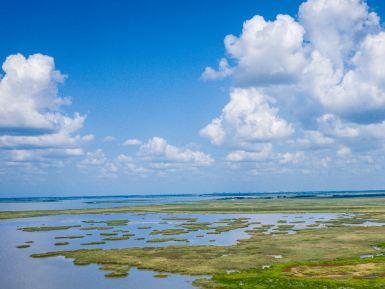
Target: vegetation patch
pixel 158 240
pixel 187 219
pixel 61 243
pixel 118 238
pixel 70 237
pixel 347 274
pixel 160 275
pixel 231 224
pixel 195 226
pixel 122 222
pixel 96 228
pixel 169 232
pixel 46 228
pixel 144 227
pixel 23 246
pixel 108 234
pixel 93 243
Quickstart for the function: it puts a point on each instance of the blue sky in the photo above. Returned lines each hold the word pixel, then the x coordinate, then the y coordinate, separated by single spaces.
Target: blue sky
pixel 294 102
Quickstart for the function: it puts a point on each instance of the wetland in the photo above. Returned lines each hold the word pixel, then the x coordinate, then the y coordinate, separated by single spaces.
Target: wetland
pixel 220 243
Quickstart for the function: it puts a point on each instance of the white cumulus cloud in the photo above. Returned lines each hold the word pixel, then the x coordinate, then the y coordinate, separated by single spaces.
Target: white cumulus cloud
pixel 33 125
pixel 131 142
pixel 158 147
pixel 223 71
pixel 336 27
pixel 265 52
pixel 248 117
pixel 311 86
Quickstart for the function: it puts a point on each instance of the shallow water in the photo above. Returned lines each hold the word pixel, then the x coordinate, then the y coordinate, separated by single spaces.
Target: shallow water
pixel 82 202
pixel 44 241
pixel 19 271
pixel 89 203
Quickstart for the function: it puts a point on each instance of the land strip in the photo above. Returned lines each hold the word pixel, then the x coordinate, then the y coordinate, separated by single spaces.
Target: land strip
pixel 278 205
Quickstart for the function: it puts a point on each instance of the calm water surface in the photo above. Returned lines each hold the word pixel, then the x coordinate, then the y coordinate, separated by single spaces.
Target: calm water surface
pixel 18 204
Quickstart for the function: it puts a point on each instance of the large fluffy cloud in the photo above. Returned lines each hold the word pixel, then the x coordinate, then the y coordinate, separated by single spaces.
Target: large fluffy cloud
pixel 29 101
pixel 265 52
pixel 333 53
pixel 32 123
pixel 357 91
pixel 336 27
pixel 248 117
pixel 335 127
pixel 322 71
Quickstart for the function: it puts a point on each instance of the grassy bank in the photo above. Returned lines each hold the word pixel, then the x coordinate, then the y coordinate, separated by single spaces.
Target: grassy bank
pixel 228 206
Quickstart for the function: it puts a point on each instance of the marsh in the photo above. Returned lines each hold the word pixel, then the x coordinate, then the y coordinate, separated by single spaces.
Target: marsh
pixel 194 246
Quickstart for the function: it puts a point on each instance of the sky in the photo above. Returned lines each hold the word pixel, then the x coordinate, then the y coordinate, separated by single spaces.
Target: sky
pixel 166 97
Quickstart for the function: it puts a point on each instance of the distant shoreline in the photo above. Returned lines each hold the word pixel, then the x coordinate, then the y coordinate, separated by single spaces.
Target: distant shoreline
pixel 225 195
pixel 361 204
